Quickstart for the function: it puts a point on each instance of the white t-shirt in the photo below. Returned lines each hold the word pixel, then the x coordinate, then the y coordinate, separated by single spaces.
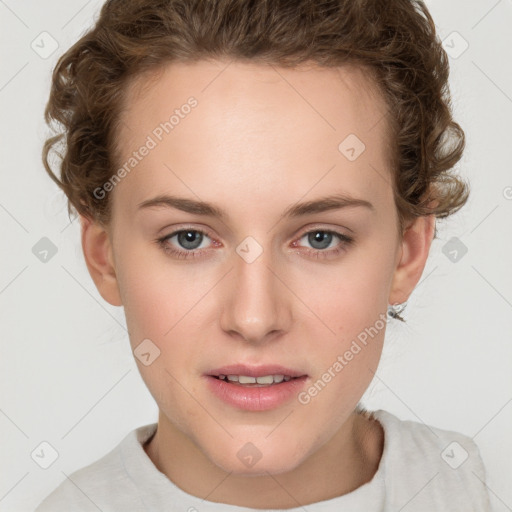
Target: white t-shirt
pixel 422 469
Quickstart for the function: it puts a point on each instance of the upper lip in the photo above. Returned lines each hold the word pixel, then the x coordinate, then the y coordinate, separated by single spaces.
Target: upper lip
pixel 255 371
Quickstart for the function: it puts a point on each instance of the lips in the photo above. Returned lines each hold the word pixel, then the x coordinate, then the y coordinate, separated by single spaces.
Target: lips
pixel 255 397
pixel 255 371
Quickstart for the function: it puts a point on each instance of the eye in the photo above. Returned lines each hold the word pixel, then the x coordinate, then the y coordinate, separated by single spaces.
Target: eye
pixel 321 239
pixel 189 243
pixel 189 239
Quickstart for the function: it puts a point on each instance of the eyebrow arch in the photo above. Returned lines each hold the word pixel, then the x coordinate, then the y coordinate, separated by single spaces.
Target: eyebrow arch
pixel 323 204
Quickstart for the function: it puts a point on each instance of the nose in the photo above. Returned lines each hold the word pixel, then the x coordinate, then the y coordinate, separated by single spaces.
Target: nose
pixel 255 302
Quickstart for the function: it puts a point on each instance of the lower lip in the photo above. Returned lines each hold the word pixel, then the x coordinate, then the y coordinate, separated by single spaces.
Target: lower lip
pixel 252 398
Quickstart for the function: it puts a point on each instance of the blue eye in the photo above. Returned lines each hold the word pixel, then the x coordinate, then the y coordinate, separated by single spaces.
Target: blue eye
pixel 190 240
pixel 322 242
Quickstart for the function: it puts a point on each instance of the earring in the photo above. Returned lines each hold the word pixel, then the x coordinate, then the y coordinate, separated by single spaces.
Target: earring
pixel 394 310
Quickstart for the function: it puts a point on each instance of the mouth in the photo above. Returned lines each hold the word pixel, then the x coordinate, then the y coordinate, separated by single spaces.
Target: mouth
pixel 255 376
pixel 262 381
pixel 255 388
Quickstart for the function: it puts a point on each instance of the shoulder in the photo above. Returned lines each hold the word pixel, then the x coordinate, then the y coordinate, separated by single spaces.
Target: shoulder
pixel 431 467
pixel 103 485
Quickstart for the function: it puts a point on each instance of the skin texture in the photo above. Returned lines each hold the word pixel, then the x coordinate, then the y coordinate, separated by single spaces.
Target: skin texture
pixel 260 139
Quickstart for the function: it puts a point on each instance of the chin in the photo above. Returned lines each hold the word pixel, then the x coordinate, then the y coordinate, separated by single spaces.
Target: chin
pixel 246 458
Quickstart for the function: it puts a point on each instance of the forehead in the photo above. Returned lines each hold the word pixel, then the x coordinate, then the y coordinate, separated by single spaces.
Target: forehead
pixel 337 98
pixel 254 126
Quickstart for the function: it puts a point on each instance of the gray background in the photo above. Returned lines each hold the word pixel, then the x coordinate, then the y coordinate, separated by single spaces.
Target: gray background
pixel 68 376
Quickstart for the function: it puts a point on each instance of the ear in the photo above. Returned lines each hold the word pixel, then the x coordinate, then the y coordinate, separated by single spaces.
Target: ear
pixel 97 248
pixel 415 247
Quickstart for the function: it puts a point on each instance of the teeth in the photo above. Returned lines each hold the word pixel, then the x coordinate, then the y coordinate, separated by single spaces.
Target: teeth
pixel 242 379
pixel 266 379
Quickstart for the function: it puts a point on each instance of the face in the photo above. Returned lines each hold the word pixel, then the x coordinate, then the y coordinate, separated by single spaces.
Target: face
pixel 269 282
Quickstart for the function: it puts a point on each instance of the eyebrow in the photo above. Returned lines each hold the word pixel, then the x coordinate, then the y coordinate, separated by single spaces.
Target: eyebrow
pixel 323 204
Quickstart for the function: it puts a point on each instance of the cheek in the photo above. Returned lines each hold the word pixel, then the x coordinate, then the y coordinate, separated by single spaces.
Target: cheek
pixel 155 308
pixel 153 296
pixel 345 368
pixel 348 334
pixel 351 298
pixel 159 305
pixel 148 309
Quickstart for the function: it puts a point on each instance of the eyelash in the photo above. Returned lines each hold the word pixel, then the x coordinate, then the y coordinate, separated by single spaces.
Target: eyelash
pixel 198 253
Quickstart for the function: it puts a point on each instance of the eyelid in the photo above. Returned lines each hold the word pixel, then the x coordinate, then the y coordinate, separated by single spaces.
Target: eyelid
pixel 323 227
pixel 182 227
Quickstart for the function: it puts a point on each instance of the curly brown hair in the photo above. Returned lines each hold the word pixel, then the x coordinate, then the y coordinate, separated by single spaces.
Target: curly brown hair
pixel 394 40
